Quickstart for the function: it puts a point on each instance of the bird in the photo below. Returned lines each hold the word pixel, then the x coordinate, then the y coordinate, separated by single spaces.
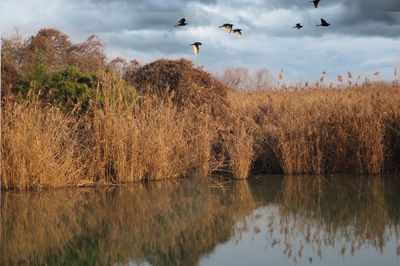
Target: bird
pixel 181 22
pixel 324 23
pixel 315 3
pixel 298 26
pixel 238 31
pixel 227 27
pixel 196 47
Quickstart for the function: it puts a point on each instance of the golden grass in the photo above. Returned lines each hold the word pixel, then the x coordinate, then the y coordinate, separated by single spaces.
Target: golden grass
pixel 314 130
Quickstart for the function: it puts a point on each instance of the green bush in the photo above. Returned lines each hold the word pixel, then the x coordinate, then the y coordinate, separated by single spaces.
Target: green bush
pixel 66 87
pixel 69 87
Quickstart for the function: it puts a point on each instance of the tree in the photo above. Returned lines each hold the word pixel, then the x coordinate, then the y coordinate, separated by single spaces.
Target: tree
pixel 241 79
pixel 58 50
pixel 237 78
pixel 12 54
pixel 88 56
pixel 263 79
pixel 54 46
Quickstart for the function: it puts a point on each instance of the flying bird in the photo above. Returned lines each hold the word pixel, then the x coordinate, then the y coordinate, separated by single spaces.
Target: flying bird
pixel 196 47
pixel 324 23
pixel 315 3
pixel 181 22
pixel 238 31
pixel 227 27
pixel 298 26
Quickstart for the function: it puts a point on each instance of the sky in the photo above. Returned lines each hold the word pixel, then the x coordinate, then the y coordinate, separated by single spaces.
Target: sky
pixel 363 38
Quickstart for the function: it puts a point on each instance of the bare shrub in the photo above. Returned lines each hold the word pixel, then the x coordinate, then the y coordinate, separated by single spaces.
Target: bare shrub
pixel 190 86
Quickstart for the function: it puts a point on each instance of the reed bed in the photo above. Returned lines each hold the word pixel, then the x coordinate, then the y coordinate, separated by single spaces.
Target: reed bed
pixel 324 130
pixel 287 130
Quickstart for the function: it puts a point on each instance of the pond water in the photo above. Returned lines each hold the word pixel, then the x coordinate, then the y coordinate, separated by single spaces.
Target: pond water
pixel 266 220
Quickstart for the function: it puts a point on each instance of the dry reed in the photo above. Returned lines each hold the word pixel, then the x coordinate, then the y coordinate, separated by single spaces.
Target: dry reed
pixel 39 147
pixel 315 130
pixel 325 130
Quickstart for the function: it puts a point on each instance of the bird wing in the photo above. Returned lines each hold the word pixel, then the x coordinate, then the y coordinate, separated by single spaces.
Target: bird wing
pixel 229 28
pixel 315 4
pixel 323 21
pixel 196 49
pixel 181 21
pixel 238 31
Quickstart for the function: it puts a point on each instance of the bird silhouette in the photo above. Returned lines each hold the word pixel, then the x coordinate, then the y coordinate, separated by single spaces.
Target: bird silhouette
pixel 315 3
pixel 238 31
pixel 196 47
pixel 298 26
pixel 181 22
pixel 227 27
pixel 324 23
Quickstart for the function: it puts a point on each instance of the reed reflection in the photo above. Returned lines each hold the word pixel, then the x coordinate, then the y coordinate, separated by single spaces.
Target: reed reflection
pixel 345 213
pixel 161 223
pixel 178 223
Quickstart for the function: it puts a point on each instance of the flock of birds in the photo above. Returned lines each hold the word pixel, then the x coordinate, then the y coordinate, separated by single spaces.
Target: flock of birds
pixel 229 27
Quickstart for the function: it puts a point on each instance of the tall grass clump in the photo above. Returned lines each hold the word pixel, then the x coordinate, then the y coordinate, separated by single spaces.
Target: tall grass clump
pixel 146 141
pixel 39 147
pixel 239 139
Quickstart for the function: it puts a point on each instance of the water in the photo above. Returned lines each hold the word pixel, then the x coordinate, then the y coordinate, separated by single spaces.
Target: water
pixel 267 220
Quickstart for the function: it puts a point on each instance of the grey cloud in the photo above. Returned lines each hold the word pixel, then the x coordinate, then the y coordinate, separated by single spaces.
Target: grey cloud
pixel 356 17
pixel 164 43
pixel 371 12
pixel 145 28
pixel 150 5
pixel 117 15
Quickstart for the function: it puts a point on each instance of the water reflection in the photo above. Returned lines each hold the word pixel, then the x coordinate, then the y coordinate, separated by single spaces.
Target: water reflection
pixel 181 223
pixel 346 213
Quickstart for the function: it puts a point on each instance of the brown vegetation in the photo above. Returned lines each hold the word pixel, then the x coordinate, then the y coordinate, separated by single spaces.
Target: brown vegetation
pixel 325 130
pixel 310 131
pixel 168 119
pixel 191 86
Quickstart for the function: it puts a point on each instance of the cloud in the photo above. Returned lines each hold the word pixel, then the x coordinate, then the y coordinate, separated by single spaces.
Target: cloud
pixel 361 31
pixel 355 17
